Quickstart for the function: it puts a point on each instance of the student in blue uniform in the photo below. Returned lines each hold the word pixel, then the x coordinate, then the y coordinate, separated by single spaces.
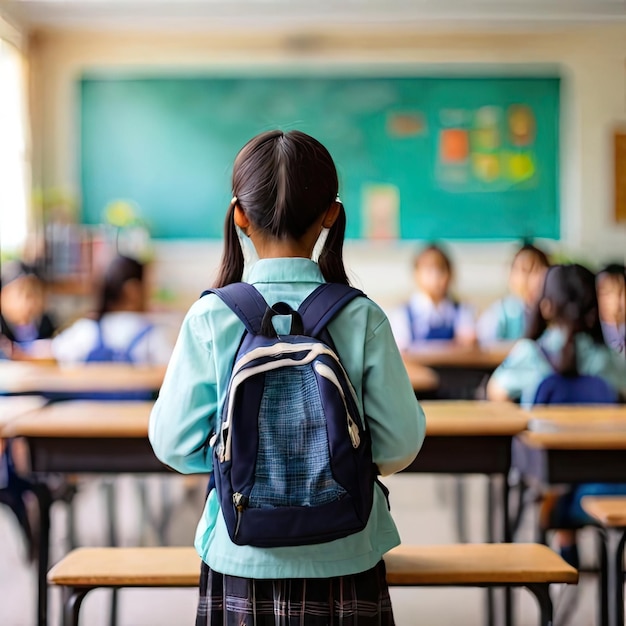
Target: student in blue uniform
pixel 506 319
pixel 611 284
pixel 121 331
pixel 432 314
pixel 285 194
pixel 565 338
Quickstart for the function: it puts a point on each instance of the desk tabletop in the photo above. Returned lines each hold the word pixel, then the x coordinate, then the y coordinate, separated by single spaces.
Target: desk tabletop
pixel 77 418
pixel 592 427
pixel 609 511
pixel 448 354
pixel 13 407
pixel 473 418
pixel 32 377
pixel 422 378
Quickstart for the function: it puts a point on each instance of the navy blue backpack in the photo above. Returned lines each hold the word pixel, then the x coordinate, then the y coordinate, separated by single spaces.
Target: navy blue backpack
pixel 292 456
pixel 582 389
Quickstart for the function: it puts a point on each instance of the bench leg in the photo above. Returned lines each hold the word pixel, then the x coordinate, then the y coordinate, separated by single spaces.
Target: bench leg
pixel 542 593
pixel 73 601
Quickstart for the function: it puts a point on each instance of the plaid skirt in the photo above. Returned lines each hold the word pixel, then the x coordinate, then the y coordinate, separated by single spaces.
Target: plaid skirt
pixel 356 600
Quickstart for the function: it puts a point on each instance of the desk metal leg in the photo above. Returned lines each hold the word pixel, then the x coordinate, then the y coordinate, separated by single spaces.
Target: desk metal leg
pixel 507 535
pixel 542 593
pixel 44 499
pixel 73 601
pixel 109 487
pixel 615 576
pixel 460 509
pixel 490 539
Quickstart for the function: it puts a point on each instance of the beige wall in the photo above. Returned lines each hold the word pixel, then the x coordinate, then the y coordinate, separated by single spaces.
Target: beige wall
pixel 590 60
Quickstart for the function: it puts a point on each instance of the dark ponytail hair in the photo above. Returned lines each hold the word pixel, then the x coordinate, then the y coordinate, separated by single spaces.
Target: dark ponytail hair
pixel 118 273
pixel 570 289
pixel 284 182
pixel 231 268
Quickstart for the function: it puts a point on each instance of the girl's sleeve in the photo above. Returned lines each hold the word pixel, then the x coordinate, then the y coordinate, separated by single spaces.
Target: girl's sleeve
pixel 396 420
pixel 183 416
pixel 522 369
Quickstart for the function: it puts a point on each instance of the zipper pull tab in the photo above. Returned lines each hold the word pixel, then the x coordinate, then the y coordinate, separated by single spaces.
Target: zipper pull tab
pixel 353 429
pixel 241 502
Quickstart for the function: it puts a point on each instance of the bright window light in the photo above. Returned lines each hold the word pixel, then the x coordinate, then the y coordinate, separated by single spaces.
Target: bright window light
pixel 14 166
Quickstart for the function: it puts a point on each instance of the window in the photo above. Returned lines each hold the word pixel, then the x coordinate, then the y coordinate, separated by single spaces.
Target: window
pixel 14 155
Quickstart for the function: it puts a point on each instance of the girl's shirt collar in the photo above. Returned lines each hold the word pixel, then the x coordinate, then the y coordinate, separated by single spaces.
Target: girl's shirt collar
pixel 285 270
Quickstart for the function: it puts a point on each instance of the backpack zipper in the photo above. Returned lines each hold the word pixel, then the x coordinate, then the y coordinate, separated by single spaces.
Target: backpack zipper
pixel 241 503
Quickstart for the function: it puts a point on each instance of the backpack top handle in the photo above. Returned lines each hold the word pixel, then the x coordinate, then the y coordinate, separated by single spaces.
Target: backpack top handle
pixel 281 308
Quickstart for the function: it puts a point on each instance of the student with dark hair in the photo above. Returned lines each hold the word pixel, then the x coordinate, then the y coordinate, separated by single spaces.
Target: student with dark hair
pixel 284 195
pixel 23 319
pixel 121 330
pixel 564 338
pixel 611 286
pixel 564 335
pixel 431 313
pixel 506 319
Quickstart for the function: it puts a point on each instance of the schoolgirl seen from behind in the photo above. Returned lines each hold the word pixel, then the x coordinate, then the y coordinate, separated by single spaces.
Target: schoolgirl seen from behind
pixel 564 337
pixel 285 194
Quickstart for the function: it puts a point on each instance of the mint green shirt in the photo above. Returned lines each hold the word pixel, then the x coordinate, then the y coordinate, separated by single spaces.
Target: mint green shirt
pixel 187 413
pixel 504 320
pixel 526 365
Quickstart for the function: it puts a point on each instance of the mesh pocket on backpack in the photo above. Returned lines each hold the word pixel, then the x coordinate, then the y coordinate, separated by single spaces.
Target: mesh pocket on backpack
pixel 293 459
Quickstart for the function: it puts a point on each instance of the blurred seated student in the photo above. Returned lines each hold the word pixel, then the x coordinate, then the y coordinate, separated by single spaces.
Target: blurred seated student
pixel 431 313
pixel 564 336
pixel 506 319
pixel 611 286
pixel 121 331
pixel 23 319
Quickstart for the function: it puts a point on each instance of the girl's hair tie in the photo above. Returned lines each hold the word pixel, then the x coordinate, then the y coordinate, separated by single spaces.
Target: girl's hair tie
pixel 234 200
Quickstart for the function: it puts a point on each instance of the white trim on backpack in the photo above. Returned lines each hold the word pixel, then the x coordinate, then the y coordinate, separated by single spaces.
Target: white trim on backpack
pixel 242 372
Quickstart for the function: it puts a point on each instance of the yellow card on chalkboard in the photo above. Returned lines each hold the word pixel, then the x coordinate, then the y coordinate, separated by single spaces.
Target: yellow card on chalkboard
pixel 381 211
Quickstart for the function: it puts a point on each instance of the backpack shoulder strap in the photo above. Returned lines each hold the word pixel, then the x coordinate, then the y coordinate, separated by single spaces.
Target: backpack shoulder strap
pixel 245 302
pixel 136 339
pixel 100 336
pixel 322 305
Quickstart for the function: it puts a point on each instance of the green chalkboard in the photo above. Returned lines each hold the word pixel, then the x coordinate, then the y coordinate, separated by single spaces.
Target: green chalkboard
pixel 418 157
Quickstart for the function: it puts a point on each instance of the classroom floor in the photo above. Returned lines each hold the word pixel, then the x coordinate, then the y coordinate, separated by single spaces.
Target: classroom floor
pixel 422 506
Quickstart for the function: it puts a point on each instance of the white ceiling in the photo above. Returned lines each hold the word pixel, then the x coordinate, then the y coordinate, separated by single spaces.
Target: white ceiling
pixel 197 14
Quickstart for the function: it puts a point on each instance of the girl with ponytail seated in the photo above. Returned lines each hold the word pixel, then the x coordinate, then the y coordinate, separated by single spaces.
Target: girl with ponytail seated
pixel 564 360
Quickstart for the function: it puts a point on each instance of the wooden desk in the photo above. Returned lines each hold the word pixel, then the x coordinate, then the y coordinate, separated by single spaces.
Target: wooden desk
pixel 12 408
pixel 82 437
pixel 461 370
pixel 574 445
pixel 451 355
pixel 86 378
pixel 423 379
pixel 468 437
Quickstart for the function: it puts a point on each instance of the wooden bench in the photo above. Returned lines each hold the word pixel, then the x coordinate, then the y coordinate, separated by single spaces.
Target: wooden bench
pixel 477 565
pixel 610 513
